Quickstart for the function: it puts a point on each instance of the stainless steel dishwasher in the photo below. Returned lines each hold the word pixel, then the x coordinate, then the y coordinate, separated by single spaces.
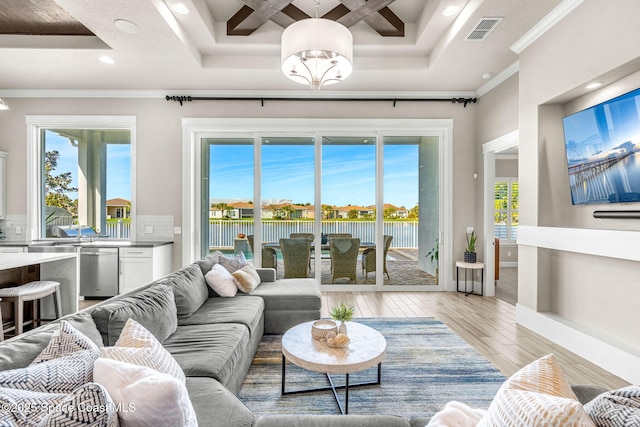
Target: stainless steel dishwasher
pixel 98 272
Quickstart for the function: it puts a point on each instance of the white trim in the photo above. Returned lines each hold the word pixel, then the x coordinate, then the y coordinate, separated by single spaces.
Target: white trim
pixel 500 156
pixel 607 243
pixel 545 24
pixel 508 263
pixel 498 79
pixel 36 122
pixel 107 93
pixel 613 357
pixel 196 128
pixel 489 150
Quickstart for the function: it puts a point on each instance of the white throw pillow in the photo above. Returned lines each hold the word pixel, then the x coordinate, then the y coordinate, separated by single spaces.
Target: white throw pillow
pixel 138 346
pixel 221 281
pixel 144 396
pixel 247 278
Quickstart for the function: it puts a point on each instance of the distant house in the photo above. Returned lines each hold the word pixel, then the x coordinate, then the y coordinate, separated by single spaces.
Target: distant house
pixel 118 208
pixel 362 211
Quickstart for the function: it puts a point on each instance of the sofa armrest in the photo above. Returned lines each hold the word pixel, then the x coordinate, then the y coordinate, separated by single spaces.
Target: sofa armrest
pixel 586 393
pixel 267 274
pixel 331 421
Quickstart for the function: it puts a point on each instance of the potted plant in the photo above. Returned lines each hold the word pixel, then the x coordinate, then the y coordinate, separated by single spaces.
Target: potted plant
pixel 433 254
pixel 342 313
pixel 470 251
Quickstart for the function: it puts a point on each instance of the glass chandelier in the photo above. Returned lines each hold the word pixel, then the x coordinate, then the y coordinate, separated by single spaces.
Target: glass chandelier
pixel 317 52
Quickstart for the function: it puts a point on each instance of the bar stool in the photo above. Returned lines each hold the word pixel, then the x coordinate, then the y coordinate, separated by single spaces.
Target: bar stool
pixel 32 291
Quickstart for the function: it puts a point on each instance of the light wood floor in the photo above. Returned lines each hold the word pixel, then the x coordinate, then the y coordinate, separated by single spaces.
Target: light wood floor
pixel 487 324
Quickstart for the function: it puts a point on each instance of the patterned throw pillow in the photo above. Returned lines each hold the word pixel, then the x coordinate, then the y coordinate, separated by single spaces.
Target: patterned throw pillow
pixel 88 405
pixel 146 397
pixel 247 278
pixel 233 264
pixel 617 408
pixel 537 394
pixel 138 346
pixel 61 375
pixel 221 281
pixel 67 341
pixel 517 408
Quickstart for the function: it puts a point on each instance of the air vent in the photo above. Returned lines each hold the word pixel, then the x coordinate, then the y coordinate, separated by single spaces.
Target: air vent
pixel 483 28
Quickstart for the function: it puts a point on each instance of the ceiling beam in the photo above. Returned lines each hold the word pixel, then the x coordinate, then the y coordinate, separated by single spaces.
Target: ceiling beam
pixel 349 12
pixel 257 12
pixel 385 22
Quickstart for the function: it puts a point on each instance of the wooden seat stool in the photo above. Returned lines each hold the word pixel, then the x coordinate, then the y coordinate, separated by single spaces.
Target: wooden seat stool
pixel 32 291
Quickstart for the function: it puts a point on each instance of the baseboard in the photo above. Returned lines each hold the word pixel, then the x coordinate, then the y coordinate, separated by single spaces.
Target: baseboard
pixel 508 263
pixel 619 361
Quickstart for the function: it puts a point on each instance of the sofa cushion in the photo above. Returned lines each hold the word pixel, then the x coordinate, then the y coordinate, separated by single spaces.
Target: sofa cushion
pixel 331 420
pixel 209 261
pixel 247 311
pixel 216 406
pixel 213 350
pixel 153 307
pixel 290 294
pixel 189 289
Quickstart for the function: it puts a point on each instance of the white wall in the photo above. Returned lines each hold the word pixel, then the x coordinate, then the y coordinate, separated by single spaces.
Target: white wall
pixel 159 143
pixel 593 294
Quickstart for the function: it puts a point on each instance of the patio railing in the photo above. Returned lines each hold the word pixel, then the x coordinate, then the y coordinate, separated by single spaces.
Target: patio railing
pixel 222 232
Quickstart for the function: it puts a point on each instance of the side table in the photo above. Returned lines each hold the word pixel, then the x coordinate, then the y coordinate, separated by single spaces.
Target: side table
pixel 473 266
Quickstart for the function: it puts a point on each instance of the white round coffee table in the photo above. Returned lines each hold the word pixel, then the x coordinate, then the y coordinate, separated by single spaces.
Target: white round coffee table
pixel 366 350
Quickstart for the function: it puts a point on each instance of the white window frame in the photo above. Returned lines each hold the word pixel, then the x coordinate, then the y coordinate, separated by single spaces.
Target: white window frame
pixel 509 211
pixel 35 123
pixel 195 129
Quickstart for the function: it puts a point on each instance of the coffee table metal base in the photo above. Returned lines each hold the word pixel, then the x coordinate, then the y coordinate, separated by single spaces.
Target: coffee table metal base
pixel 344 409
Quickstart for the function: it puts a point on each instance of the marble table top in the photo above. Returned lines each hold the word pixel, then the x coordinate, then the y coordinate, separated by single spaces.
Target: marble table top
pixel 366 350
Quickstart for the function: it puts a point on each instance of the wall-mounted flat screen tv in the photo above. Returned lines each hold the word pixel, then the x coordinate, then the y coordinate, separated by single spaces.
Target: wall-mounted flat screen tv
pixel 603 151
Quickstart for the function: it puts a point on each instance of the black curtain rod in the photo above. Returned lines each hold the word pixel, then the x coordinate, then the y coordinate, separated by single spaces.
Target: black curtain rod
pixel 182 99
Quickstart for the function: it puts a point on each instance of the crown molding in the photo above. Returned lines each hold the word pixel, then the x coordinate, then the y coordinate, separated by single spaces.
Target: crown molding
pixel 498 79
pixel 545 24
pixel 161 94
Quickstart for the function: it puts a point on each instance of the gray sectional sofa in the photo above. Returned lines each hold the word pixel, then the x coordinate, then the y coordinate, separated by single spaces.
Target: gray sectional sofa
pixel 213 339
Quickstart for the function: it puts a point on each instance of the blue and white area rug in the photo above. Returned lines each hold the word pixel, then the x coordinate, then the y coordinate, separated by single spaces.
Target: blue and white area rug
pixel 426 366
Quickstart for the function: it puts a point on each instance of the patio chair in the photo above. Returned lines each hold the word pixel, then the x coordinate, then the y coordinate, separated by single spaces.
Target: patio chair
pixel 369 258
pixel 344 258
pixel 296 256
pixel 309 236
pixel 338 236
pixel 269 255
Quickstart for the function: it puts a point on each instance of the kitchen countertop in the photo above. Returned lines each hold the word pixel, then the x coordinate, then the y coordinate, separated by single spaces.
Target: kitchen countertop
pixel 8 261
pixel 100 243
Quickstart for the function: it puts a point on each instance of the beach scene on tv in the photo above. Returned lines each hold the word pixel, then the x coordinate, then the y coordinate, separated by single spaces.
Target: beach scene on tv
pixel 603 151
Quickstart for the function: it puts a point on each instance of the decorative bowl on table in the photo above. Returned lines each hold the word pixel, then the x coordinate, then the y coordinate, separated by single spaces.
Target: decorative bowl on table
pixel 320 328
pixel 339 341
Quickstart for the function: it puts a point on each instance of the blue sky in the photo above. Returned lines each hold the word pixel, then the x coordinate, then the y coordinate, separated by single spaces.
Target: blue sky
pixel 348 173
pixel 118 165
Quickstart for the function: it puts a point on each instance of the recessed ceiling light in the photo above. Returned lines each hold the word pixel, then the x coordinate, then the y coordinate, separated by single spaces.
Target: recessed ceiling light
pixel 486 76
pixel 593 85
pixel 451 10
pixel 126 26
pixel 180 8
pixel 107 60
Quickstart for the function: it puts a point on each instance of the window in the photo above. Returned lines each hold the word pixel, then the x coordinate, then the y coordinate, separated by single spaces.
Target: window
pixel 506 209
pixel 80 171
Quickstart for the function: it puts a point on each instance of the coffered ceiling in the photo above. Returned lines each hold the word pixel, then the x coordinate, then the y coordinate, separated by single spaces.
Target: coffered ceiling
pixel 234 45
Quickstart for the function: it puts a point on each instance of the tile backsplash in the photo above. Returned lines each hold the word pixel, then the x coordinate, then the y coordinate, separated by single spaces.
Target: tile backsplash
pixel 14 228
pixel 154 228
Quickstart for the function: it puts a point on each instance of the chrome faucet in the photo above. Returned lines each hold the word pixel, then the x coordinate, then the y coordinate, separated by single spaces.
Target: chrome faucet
pixel 76 222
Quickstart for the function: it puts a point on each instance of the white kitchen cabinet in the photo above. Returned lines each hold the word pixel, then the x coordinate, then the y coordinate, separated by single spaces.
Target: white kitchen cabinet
pixel 12 249
pixel 140 265
pixel 3 185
